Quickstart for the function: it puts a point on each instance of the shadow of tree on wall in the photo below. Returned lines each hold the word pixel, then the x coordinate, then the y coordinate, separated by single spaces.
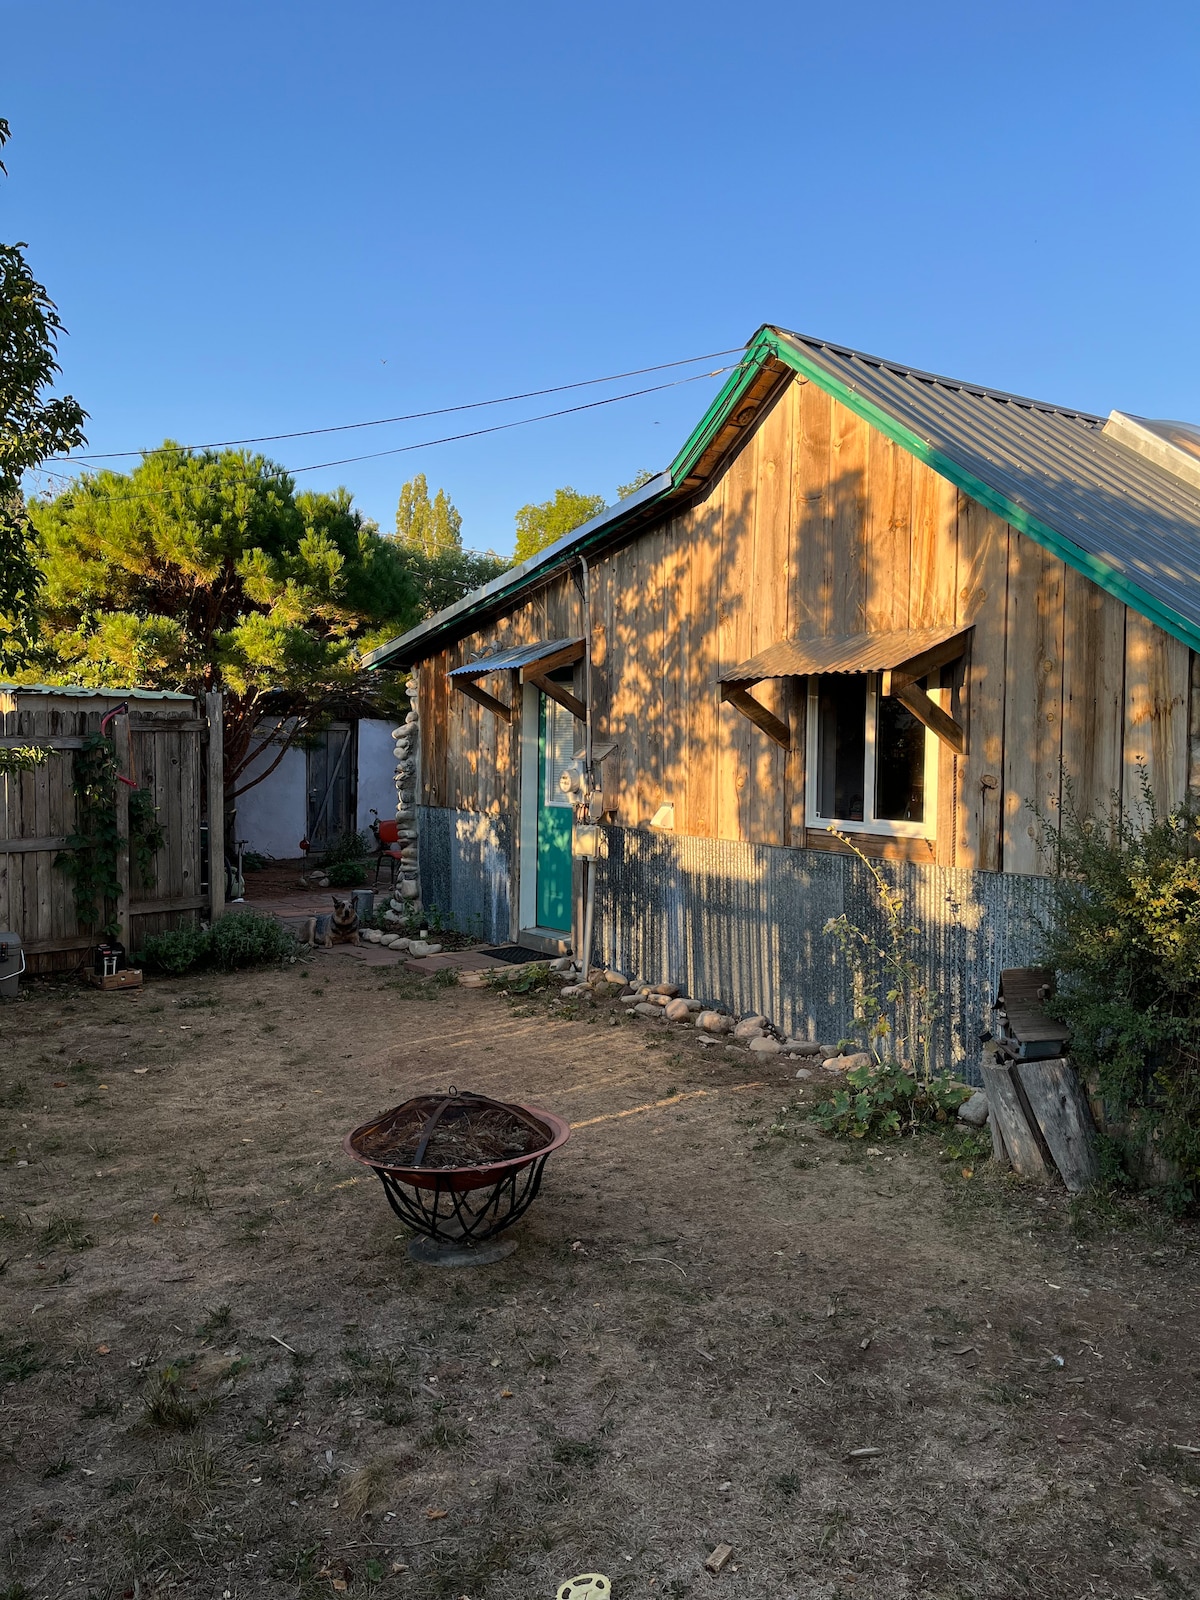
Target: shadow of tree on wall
pixel 818 524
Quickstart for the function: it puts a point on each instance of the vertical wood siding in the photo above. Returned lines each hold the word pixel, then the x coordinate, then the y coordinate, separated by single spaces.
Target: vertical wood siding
pixel 819 524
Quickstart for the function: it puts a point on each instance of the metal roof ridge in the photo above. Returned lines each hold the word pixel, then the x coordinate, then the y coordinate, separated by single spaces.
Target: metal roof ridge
pixel 811 342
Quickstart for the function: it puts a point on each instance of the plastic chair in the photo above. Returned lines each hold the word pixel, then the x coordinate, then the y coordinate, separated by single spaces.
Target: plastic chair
pixel 387 835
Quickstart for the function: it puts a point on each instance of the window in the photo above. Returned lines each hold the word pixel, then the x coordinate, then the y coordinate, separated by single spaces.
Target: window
pixel 872 767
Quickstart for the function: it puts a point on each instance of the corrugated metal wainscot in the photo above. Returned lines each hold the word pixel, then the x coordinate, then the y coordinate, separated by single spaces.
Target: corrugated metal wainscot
pixel 745 924
pixel 466 869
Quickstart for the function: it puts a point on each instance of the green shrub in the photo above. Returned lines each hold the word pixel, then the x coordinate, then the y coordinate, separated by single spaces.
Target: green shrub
pixel 1125 944
pixel 249 939
pixel 883 1099
pixel 350 846
pixel 239 939
pixel 346 874
pixel 175 951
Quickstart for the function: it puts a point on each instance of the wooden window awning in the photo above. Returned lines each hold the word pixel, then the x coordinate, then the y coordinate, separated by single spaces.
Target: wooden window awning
pixel 902 658
pixel 529 663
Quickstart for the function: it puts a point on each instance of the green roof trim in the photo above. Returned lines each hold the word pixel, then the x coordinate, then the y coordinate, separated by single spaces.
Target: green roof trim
pixel 1090 566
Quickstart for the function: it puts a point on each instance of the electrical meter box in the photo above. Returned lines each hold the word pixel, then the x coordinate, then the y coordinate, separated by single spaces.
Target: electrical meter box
pixel 12 964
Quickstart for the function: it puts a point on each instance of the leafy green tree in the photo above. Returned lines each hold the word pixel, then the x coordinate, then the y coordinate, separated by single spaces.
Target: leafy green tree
pixel 32 427
pixel 544 524
pixel 430 526
pixel 429 539
pixel 640 479
pixel 206 570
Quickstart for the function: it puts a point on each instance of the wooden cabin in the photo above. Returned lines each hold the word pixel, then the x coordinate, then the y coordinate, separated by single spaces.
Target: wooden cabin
pixel 863 603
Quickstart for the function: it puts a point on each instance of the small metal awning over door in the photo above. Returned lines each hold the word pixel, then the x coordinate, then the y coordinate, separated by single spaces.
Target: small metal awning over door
pixel 903 656
pixel 531 663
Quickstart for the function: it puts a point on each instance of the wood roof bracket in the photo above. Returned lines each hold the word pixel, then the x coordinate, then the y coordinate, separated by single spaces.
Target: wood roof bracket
pixel 901 683
pixel 489 702
pixel 556 691
pixel 738 695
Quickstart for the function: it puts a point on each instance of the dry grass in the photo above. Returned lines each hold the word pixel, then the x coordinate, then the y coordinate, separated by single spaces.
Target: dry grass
pixel 710 1309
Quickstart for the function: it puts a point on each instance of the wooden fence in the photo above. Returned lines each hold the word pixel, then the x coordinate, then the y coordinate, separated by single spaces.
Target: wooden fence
pixel 166 745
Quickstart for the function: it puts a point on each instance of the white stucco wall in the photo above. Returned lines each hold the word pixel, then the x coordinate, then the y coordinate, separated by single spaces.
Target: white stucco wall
pixel 272 816
pixel 376 771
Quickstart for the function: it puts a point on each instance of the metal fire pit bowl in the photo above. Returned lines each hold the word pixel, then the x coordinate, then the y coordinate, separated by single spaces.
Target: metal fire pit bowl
pixel 458 1211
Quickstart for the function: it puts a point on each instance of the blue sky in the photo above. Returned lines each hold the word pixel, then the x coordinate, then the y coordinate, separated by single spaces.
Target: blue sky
pixel 260 216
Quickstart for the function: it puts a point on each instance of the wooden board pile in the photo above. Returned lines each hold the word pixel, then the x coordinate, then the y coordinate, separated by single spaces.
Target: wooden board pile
pixel 1037 1110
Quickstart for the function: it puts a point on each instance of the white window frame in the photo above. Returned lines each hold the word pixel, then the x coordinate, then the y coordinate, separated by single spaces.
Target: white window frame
pixel 870 823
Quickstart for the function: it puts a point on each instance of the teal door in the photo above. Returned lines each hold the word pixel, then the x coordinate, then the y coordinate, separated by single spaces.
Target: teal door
pixel 556 742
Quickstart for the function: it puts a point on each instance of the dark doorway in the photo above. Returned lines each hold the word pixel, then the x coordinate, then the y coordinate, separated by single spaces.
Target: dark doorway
pixel 332 797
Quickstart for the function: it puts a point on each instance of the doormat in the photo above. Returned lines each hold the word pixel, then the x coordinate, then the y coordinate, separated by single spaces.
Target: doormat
pixel 514 953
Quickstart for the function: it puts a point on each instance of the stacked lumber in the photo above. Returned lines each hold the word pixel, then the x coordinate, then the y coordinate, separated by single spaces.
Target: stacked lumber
pixel 1040 1121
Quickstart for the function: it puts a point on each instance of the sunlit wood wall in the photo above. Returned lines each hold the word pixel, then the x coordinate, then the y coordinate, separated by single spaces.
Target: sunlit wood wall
pixel 820 524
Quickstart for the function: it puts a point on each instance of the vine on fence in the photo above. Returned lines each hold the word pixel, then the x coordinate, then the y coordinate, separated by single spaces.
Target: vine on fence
pixel 24 758
pixel 93 851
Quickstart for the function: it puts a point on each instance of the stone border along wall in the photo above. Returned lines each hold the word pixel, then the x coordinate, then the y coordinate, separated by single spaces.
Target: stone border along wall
pixel 406 895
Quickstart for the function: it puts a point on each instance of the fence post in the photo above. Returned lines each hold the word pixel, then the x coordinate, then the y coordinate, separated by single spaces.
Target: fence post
pixel 121 744
pixel 215 708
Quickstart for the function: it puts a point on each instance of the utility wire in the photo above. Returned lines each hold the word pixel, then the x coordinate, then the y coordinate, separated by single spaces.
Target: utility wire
pixel 452 438
pixel 411 416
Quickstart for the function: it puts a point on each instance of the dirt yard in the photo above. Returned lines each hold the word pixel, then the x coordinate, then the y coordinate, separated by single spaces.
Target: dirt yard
pixel 222 1377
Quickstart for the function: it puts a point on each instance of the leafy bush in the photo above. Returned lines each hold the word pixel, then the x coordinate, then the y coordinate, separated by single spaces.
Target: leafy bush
pixel 1125 943
pixel 249 939
pixel 240 939
pixel 350 846
pixel 346 874
pixel 175 951
pixel 883 1099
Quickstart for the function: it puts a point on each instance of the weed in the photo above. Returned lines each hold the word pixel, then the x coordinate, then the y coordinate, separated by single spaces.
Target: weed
pixel 164 1406
pixel 788 1483
pixel 98 1406
pixel 446 978
pixel 445 1436
pixel 59 1468
pixel 197 1194
pixel 290 1391
pixel 366 1487
pixel 573 1453
pixel 68 1229
pixel 14 1096
pixel 19 1361
pixel 216 1320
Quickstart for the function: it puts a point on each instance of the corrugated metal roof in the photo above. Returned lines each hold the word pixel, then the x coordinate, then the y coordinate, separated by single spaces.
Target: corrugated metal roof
pixel 1124 520
pixel 1129 513
pixel 75 691
pixel 509 660
pixel 841 652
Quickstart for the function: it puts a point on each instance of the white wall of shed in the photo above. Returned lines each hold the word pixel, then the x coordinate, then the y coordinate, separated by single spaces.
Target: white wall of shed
pixel 272 817
pixel 376 771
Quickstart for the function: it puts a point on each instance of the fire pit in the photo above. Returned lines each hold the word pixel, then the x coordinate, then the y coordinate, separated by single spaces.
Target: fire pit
pixel 458 1169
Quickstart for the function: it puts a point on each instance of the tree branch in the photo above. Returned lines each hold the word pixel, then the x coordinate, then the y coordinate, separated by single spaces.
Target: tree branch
pixel 288 743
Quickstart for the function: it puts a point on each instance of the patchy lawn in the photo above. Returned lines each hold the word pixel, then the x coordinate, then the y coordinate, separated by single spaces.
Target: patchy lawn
pixel 222 1377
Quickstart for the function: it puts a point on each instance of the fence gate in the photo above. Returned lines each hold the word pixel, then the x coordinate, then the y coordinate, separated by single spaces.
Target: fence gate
pixel 161 747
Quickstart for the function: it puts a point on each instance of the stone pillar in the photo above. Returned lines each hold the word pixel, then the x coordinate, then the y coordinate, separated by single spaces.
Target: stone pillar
pixel 407 750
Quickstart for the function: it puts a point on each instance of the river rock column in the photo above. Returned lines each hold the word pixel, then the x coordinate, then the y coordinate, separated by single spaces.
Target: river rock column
pixel 406 749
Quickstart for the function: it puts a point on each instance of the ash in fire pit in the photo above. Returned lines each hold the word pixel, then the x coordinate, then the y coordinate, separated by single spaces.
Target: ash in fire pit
pixel 465 1131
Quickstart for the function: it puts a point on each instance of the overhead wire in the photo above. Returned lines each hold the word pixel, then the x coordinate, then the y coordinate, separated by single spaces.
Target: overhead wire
pixel 411 416
pixel 453 438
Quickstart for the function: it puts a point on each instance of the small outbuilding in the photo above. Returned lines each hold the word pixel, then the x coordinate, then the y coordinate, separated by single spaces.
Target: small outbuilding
pixel 864 607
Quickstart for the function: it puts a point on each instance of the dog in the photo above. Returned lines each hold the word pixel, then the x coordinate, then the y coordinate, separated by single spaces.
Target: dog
pixel 344 929
pixel 341 928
